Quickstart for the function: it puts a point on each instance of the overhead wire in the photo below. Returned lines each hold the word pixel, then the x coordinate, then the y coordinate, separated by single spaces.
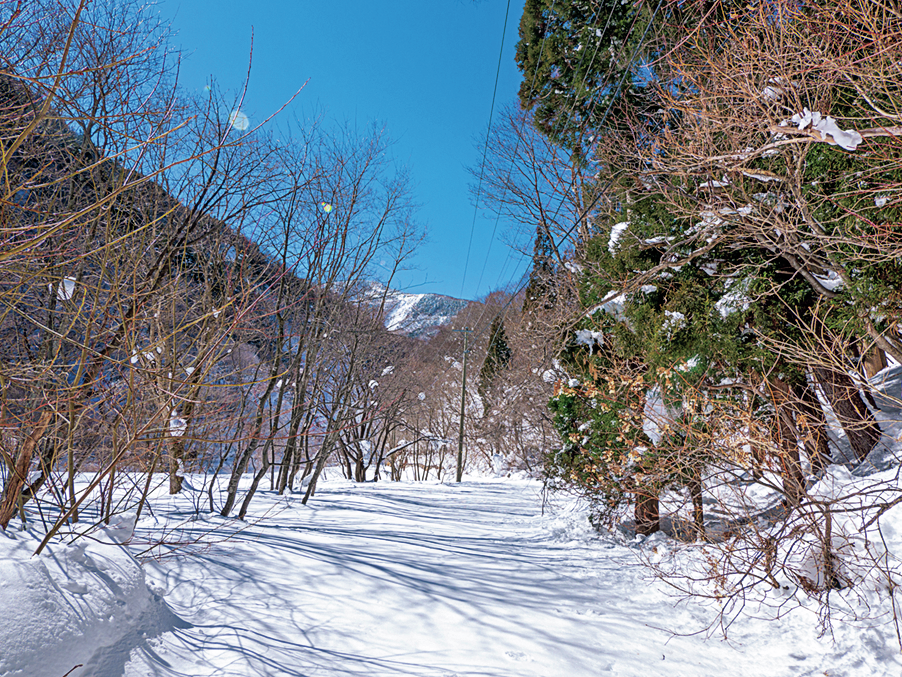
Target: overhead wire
pixel 525 278
pixel 523 124
pixel 519 137
pixel 600 125
pixel 485 155
pixel 524 282
pixel 486 148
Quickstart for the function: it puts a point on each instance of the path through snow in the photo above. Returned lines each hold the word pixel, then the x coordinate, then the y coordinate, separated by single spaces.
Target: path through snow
pixel 432 580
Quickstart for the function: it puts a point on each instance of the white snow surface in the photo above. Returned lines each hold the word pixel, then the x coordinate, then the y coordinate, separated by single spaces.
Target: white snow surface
pixel 587 337
pixel 85 603
pixel 612 304
pixel 617 231
pixel 390 578
pixel 735 299
pixel 398 316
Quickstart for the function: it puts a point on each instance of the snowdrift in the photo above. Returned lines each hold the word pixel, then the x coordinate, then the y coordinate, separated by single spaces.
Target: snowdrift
pixel 83 604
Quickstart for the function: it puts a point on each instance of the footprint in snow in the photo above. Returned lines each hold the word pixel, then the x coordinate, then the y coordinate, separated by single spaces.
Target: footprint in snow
pixel 516 655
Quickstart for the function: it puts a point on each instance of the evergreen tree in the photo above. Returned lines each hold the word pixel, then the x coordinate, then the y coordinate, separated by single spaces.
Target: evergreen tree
pixel 540 292
pixel 742 271
pixel 497 358
pixel 576 57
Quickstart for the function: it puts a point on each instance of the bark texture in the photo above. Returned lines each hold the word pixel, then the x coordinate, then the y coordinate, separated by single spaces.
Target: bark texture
pixel 857 421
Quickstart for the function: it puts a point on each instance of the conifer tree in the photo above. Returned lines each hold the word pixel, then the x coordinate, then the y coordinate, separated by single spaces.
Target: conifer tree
pixel 576 57
pixel 540 291
pixel 497 358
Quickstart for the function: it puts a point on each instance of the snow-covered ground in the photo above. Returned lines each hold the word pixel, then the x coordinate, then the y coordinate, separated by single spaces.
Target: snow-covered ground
pixel 418 579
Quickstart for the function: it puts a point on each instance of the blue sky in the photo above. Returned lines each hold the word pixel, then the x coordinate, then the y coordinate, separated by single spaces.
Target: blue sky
pixel 425 69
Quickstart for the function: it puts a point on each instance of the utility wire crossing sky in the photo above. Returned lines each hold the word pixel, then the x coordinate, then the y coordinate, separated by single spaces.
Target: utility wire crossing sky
pixel 423 69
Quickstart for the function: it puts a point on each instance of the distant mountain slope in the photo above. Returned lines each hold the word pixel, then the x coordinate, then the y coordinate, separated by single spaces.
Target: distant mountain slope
pixel 418 315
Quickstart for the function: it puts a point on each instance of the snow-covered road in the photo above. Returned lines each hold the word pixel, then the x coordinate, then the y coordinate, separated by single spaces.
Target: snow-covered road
pixel 420 579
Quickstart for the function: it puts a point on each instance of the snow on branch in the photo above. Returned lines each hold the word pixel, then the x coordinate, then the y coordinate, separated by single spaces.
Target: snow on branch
pixel 847 139
pixel 813 125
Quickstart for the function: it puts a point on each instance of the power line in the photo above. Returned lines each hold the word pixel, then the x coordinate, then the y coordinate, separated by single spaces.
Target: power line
pixel 524 282
pixel 560 119
pixel 485 150
pixel 525 278
pixel 572 109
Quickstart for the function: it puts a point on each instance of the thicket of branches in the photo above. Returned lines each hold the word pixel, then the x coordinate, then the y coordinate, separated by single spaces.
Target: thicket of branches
pixel 739 284
pixel 178 292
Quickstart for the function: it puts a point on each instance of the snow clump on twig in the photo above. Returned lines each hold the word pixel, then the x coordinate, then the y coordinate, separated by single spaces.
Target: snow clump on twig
pixel 848 139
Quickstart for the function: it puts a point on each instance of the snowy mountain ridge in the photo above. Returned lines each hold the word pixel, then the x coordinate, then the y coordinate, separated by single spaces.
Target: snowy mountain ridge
pixel 416 315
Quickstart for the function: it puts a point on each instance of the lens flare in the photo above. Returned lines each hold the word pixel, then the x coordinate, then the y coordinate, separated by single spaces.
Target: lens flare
pixel 326 207
pixel 239 120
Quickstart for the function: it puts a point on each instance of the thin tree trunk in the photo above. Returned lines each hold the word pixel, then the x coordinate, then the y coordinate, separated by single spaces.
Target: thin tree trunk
pixel 18 471
pixel 814 425
pixel 359 470
pixel 264 466
pixel 787 442
pixel 321 458
pixel 175 480
pixel 237 471
pixel 857 421
pixel 289 466
pixel 698 506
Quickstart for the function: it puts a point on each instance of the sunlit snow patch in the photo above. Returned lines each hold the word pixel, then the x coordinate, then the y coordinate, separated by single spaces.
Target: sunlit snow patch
pixel 848 139
pixel 616 231
pixel 66 289
pixel 736 299
pixel 587 337
pixel 177 426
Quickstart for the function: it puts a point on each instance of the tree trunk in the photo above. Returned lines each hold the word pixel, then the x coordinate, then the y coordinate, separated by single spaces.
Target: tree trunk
pixel 48 457
pixel 857 421
pixel 787 441
pixel 359 470
pixel 863 371
pixel 264 466
pixel 175 480
pixel 874 361
pixel 241 463
pixel 321 458
pixel 291 457
pixel 698 508
pixel 647 513
pixel 18 471
pixel 813 425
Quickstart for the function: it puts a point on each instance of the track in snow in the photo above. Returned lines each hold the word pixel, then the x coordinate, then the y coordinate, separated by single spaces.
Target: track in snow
pixel 432 581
